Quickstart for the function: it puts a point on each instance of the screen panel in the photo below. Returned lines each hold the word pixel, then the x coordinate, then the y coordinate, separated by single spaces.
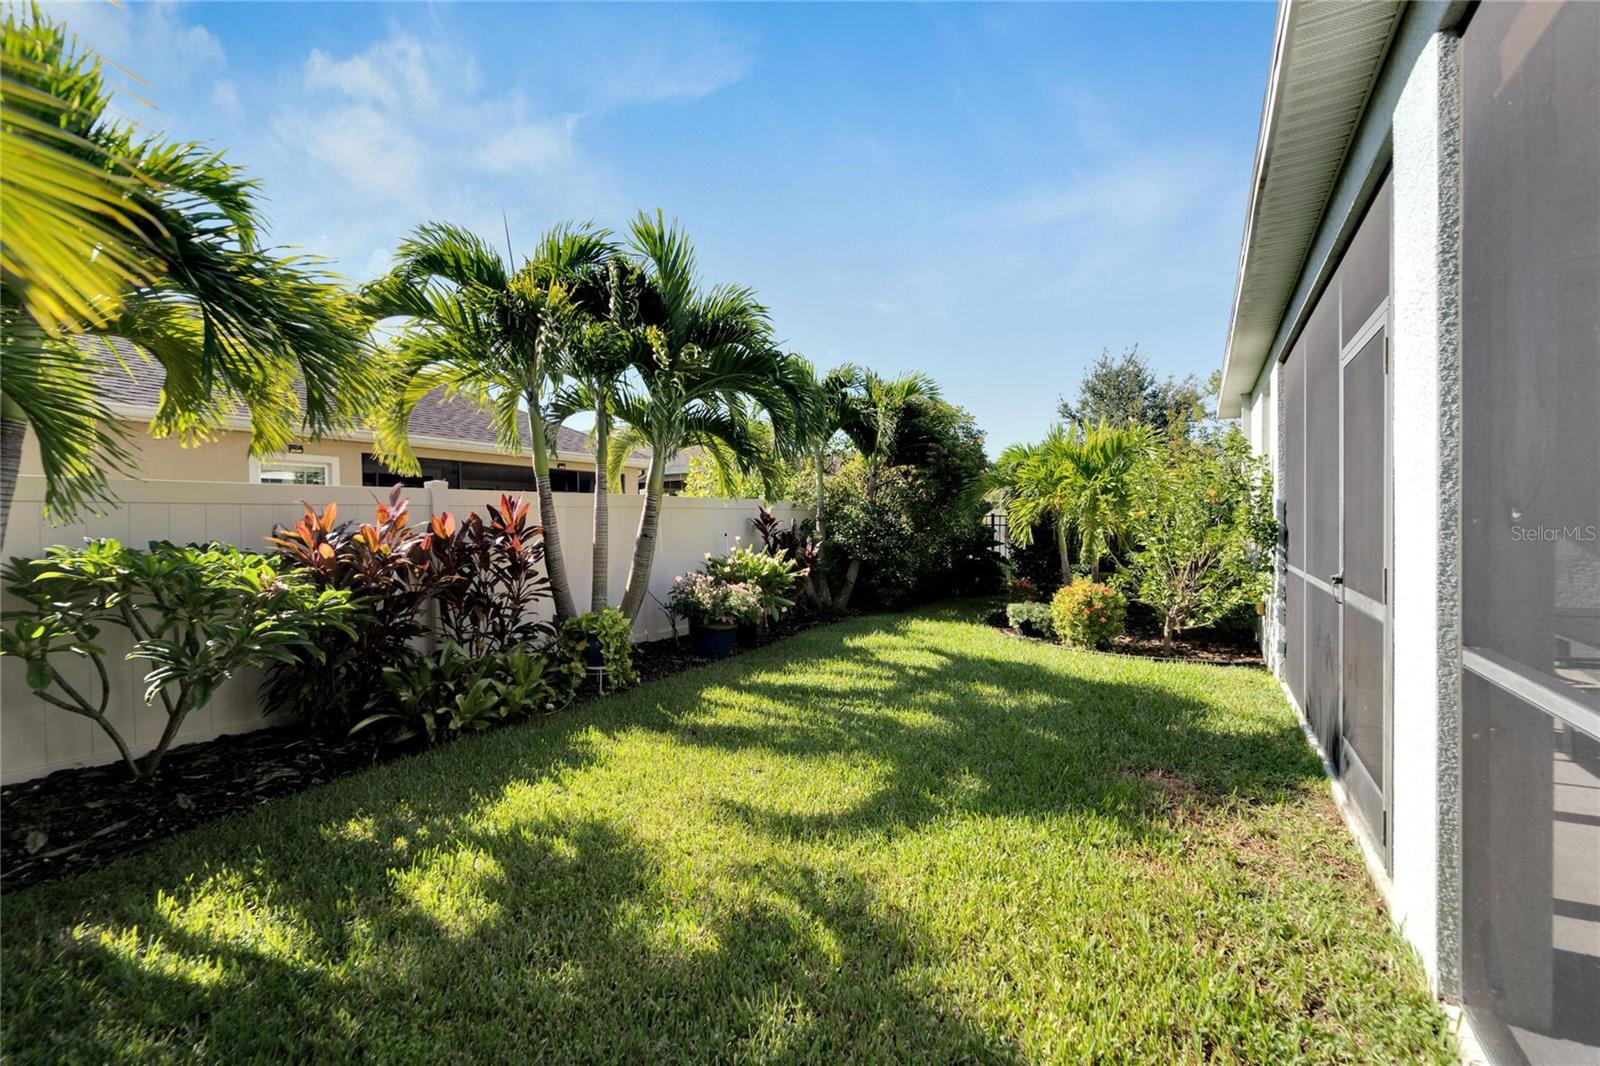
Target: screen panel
pixel 1294 627
pixel 1364 270
pixel 1322 439
pixel 1530 359
pixel 1294 386
pixel 1322 670
pixel 1365 417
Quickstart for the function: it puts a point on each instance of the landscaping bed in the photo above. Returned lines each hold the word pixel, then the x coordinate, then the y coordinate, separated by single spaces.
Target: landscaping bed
pixel 897 838
pixel 77 819
pixel 1143 639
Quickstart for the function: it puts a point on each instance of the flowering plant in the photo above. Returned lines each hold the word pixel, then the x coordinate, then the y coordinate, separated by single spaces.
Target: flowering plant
pixel 710 601
pixel 1088 614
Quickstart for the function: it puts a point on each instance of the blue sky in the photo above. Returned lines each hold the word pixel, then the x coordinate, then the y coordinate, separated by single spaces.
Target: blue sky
pixel 991 194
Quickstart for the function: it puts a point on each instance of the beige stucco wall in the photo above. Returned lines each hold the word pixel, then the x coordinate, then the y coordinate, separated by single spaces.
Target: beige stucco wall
pixel 227 458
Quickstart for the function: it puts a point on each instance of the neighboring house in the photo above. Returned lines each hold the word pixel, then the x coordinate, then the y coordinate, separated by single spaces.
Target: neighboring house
pixel 1415 343
pixel 453 440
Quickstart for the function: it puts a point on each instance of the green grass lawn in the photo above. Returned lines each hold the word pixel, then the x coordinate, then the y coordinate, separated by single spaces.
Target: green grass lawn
pixel 898 838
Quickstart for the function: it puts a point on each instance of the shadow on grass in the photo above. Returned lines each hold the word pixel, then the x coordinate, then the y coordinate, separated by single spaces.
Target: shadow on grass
pixel 429 911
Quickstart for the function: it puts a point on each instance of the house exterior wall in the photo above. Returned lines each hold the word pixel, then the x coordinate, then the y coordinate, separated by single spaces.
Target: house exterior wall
pixel 227 457
pixel 1412 126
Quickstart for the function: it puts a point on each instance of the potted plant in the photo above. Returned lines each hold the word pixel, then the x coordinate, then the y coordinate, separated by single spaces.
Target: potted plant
pixel 714 608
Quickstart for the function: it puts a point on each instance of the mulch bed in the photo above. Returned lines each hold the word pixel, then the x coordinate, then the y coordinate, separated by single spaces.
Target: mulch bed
pixel 1197 646
pixel 78 819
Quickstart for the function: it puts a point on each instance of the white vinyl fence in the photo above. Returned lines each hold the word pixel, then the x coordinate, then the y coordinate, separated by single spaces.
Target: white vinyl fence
pixel 36 738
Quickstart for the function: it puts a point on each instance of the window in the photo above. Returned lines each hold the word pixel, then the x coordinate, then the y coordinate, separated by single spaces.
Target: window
pixel 468 474
pixel 295 470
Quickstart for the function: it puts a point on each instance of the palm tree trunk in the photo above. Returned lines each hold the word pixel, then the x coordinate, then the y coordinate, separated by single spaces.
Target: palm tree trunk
pixel 644 545
pixel 555 562
pixel 599 585
pixel 851 572
pixel 12 433
pixel 1061 547
pixel 819 576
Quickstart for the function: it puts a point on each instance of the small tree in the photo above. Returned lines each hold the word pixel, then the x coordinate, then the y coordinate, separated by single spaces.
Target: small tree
pixel 197 615
pixel 1202 520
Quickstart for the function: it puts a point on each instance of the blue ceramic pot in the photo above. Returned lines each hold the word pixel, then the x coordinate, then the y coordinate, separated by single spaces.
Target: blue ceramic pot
pixel 712 642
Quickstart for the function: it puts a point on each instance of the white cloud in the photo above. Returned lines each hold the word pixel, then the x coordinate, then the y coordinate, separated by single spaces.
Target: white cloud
pixel 393 73
pixel 365 147
pixel 225 97
pixel 524 146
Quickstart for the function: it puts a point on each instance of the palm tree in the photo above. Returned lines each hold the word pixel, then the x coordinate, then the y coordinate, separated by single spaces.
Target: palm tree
pixel 871 409
pixel 473 327
pixel 602 342
pixel 1077 476
pixel 819 420
pixel 157 242
pixel 705 367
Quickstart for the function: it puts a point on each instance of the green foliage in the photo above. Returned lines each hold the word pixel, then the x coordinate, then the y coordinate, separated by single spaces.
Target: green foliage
pixel 611 628
pixel 1088 614
pixel 1205 531
pixel 451 691
pixel 709 601
pixel 1124 391
pixel 915 527
pixel 112 234
pixel 1031 618
pixel 385 567
pixel 773 577
pixel 195 615
pixel 1079 477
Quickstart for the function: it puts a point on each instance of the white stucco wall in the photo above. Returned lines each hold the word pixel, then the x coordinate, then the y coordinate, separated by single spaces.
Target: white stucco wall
pixel 1425 433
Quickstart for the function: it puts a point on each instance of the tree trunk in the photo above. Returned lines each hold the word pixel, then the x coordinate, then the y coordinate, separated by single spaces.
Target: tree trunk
pixel 12 432
pixel 819 576
pixel 599 582
pixel 1061 548
pixel 1166 636
pixel 175 716
pixel 851 572
pixel 644 545
pixel 555 562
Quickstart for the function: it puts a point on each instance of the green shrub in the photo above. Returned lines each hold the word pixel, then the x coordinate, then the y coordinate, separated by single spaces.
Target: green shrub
pixel 1203 530
pixel 1088 614
pixel 611 628
pixel 1031 619
pixel 196 614
pixel 449 692
pixel 706 601
pixel 771 577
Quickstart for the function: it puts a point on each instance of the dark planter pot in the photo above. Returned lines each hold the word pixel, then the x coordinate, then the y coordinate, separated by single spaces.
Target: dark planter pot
pixel 712 642
pixel 593 656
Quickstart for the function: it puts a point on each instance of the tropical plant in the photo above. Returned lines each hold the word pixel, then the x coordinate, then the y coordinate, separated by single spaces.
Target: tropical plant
pixel 711 367
pixel 709 601
pixel 1204 531
pixel 386 568
pixel 917 532
pixel 1088 614
pixel 450 692
pixel 1080 477
pixel 773 577
pixel 195 615
pixel 158 242
pixel 1031 619
pixel 611 635
pixel 474 327
pixel 870 409
pixel 601 341
pixel 490 578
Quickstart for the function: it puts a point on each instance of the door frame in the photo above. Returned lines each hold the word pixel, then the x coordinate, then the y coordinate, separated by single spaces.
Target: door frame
pixel 1361 787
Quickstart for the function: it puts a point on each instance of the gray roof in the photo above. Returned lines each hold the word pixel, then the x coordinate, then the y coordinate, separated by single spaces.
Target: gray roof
pixel 139 386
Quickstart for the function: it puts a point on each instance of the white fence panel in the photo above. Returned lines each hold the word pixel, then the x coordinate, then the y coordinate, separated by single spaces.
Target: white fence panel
pixel 36 738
